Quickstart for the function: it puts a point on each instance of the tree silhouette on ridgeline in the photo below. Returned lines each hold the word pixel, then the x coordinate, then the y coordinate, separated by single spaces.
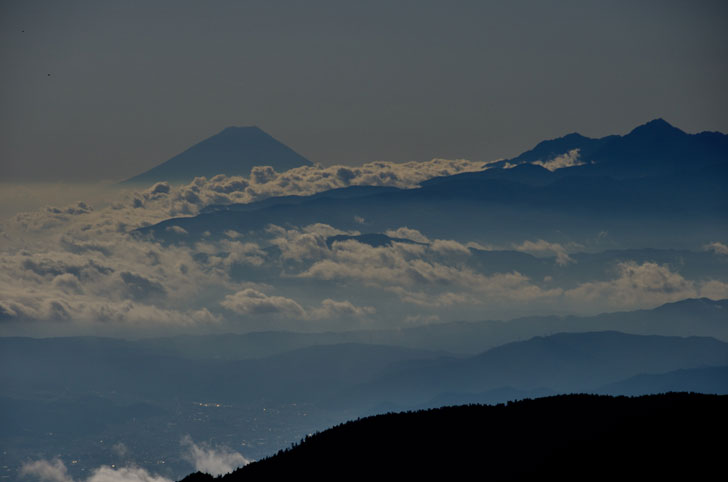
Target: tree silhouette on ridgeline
pixel 565 437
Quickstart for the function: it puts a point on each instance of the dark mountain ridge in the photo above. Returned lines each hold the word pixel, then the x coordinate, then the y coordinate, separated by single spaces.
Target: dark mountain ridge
pixel 568 437
pixel 653 148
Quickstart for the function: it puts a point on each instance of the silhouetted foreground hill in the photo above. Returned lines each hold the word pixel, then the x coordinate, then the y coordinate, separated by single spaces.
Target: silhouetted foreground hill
pixel 568 437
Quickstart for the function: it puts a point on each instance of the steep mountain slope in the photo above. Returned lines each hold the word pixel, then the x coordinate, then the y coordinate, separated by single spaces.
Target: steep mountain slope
pixel 653 148
pixel 233 151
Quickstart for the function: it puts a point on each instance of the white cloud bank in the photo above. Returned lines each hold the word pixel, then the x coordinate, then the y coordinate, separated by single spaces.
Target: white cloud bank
pixel 77 265
pixel 253 302
pixel 130 209
pixel 119 280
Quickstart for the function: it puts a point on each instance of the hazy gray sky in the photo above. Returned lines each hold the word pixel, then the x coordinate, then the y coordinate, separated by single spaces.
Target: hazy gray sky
pixel 132 83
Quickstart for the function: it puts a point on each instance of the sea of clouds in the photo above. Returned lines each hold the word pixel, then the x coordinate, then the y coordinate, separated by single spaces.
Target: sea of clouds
pixel 76 267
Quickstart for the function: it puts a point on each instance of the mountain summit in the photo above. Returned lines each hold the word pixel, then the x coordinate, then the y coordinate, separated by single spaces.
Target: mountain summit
pixel 651 149
pixel 656 127
pixel 233 151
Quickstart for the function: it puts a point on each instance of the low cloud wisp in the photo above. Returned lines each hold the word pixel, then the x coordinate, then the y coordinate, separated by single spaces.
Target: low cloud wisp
pixel 55 471
pixel 212 460
pixel 203 457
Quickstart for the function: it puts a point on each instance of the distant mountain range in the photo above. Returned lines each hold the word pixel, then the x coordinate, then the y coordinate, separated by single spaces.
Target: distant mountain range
pixel 344 376
pixel 637 188
pixel 561 363
pixel 692 317
pixel 652 149
pixel 699 380
pixel 569 437
pixel 234 152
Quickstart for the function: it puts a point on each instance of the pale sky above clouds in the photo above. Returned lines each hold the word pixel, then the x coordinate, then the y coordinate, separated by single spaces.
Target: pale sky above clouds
pixel 134 83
